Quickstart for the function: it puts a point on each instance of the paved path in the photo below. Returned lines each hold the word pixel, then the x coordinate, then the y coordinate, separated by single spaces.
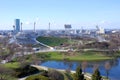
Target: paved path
pixel 43 44
pixel 46 68
pixel 22 78
pixel 51 51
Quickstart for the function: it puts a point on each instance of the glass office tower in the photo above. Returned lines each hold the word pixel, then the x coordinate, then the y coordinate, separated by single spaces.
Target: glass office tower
pixel 17 25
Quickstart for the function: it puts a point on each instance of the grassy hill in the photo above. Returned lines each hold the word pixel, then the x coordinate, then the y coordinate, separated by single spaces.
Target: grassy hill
pixel 52 41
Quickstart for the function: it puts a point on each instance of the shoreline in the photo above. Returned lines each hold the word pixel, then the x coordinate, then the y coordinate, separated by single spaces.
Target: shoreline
pixel 87 75
pixel 88 56
pixel 80 59
pixel 61 70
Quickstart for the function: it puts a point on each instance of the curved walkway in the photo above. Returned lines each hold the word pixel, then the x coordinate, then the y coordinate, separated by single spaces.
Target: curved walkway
pixel 46 68
pixel 44 44
pixel 22 78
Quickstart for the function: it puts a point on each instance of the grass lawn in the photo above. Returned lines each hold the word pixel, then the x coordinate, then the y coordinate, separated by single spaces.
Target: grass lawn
pixel 77 57
pixel 52 41
pixel 12 65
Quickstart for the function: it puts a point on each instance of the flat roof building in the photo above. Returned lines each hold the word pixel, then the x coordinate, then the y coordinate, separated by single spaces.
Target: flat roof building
pixel 67 26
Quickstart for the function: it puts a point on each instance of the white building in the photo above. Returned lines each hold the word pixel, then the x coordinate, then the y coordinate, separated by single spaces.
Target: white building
pixel 100 30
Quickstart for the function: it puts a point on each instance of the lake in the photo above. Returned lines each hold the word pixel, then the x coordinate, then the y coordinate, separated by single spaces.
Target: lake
pixel 113 72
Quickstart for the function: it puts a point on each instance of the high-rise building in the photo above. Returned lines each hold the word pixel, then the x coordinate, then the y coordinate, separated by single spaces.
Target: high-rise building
pixel 67 26
pixel 17 25
pixel 100 30
pixel 34 26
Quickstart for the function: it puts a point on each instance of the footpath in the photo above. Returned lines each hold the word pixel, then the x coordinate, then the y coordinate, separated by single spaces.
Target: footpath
pixel 46 68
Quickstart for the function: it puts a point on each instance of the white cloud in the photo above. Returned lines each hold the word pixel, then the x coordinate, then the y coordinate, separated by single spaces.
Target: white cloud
pixel 37 19
pixel 27 22
pixel 104 22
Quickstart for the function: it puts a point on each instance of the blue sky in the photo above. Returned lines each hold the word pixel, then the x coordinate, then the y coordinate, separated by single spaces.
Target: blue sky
pixel 79 13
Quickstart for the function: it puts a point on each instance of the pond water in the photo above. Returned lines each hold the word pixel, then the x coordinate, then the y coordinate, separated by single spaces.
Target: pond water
pixel 114 72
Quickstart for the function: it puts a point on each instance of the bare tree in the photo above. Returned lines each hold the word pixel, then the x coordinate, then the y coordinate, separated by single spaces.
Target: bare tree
pixel 96 66
pixel 84 65
pixel 68 70
pixel 107 67
pixel 55 75
pixel 21 54
pixel 35 59
pixel 12 50
pixel 5 74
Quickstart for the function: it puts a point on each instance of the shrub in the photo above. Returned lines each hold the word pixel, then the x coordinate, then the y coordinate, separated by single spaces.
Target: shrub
pixel 78 75
pixel 55 75
pixel 68 70
pixel 44 73
pixel 6 74
pixel 25 71
pixel 52 41
pixel 37 77
pixel 96 75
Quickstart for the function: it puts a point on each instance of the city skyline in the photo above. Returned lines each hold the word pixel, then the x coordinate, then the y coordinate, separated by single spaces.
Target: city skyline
pixel 78 13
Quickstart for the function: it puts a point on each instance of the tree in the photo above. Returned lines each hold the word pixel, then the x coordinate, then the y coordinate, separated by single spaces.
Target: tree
pixel 107 67
pixel 21 54
pixel 68 70
pixel 78 75
pixel 25 70
pixel 84 65
pixel 35 59
pixel 37 77
pixel 96 75
pixel 12 50
pixel 7 49
pixel 3 53
pixel 55 75
pixel 5 74
pixel 95 66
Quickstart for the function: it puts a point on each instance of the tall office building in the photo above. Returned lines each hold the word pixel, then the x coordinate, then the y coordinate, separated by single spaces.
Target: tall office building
pixel 17 25
pixel 67 26
pixel 100 30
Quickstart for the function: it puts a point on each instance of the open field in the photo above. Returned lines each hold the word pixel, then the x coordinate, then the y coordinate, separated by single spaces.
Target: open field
pixel 12 65
pixel 73 56
pixel 67 76
pixel 52 41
